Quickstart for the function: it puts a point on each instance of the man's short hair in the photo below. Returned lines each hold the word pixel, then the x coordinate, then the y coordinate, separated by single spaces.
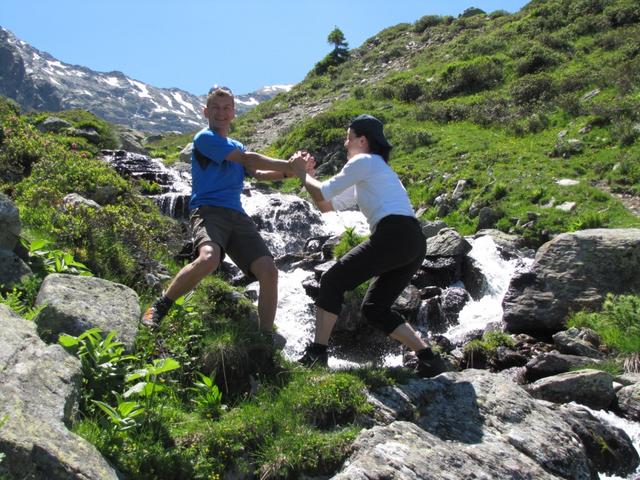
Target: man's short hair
pixel 217 91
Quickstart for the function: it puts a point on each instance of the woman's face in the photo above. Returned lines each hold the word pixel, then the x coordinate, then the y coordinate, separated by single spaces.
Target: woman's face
pixel 355 144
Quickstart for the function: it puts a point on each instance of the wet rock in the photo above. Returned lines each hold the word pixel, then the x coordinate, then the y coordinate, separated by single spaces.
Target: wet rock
pixel 572 272
pixel 629 402
pixel 592 388
pixel 605 444
pixel 575 341
pixel 553 363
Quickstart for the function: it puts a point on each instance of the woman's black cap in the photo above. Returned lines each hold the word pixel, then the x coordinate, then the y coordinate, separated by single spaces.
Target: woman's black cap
pixel 371 127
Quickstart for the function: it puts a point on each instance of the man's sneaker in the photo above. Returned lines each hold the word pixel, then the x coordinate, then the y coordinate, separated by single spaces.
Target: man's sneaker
pixel 152 317
pixel 427 367
pixel 156 312
pixel 312 359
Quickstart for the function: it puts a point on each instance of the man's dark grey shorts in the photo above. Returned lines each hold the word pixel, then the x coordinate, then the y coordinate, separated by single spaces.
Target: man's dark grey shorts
pixel 233 231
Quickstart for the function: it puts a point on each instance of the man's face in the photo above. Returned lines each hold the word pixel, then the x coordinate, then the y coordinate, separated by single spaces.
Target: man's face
pixel 220 112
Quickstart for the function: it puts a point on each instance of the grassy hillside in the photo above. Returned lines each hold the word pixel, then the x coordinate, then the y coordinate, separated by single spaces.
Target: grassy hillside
pixel 509 103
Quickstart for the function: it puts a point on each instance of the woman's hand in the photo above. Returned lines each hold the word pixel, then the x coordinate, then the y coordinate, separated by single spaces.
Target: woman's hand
pixel 303 164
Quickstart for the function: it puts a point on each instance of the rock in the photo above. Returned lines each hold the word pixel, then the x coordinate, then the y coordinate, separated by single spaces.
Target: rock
pixel 453 300
pixel 13 270
pixel 404 451
pixel 185 153
pixel 431 228
pixel 9 223
pixel 592 388
pixel 73 201
pixel 509 246
pixel 438 272
pixel 606 445
pixel 73 304
pixel 573 342
pixel 474 280
pixel 505 358
pixel 572 272
pixel 131 141
pixel 566 206
pixel 471 424
pixel 629 402
pixel 553 363
pixel 89 134
pixel 39 384
pixel 487 218
pixel 567 182
pixel 447 243
pixel 54 124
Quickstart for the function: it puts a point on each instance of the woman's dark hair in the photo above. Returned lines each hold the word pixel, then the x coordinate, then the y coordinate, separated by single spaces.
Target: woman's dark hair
pixel 375 146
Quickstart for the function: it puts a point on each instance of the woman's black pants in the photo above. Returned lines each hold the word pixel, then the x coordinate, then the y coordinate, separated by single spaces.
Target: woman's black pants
pixel 390 257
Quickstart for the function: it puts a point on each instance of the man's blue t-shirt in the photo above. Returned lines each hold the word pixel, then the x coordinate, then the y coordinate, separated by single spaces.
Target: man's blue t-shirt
pixel 214 180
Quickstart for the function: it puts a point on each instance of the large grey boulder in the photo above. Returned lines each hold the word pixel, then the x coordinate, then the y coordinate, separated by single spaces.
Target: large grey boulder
pixel 447 243
pixel 73 304
pixel 592 388
pixel 470 424
pixel 39 384
pixel 605 444
pixel 12 269
pixel 553 363
pixel 9 223
pixel 629 401
pixel 572 272
pixel 578 341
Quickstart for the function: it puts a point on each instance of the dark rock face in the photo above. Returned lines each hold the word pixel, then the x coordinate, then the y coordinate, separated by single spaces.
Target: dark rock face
pixel 572 272
pixel 606 446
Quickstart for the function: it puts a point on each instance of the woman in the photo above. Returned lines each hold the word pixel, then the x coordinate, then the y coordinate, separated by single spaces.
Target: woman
pixel 390 257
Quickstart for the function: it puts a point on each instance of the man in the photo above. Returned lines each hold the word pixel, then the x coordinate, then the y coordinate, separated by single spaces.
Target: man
pixel 218 222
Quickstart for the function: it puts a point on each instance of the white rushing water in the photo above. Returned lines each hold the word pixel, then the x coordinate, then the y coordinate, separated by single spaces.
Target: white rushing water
pixel 476 314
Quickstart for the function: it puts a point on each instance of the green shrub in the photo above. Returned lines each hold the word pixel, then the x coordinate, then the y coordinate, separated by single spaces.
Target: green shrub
pixel 534 59
pixel 408 140
pixel 472 12
pixel 469 77
pixel 531 88
pixel 409 91
pixel 426 22
pixel 348 240
pixel 618 322
pixel 623 12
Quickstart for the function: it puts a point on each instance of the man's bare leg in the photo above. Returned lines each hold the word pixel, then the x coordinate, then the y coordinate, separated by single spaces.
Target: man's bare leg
pixel 266 272
pixel 190 275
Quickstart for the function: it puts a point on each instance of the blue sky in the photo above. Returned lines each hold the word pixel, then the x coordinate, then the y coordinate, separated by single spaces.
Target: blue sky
pixel 192 44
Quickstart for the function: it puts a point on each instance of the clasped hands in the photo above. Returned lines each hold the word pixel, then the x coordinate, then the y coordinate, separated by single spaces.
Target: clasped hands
pixel 303 163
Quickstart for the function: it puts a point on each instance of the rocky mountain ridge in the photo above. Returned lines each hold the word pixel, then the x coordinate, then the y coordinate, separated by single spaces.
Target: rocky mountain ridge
pixel 38 81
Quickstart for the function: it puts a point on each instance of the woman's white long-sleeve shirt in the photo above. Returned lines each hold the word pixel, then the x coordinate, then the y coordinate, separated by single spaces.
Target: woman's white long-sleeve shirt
pixel 368 181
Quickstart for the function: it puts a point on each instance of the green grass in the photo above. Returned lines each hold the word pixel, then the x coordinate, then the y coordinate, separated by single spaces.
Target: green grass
pixel 618 323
